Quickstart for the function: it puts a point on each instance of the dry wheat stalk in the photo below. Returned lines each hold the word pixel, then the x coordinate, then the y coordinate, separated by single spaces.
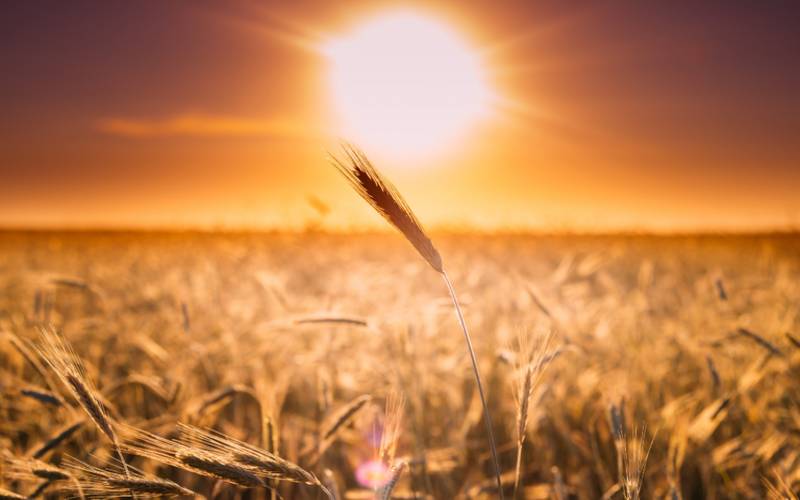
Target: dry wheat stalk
pixel 257 460
pixel 675 457
pixel 218 467
pixel 335 423
pixel 90 403
pixel 215 455
pixel 179 454
pixel 39 491
pixel 24 348
pixel 721 293
pixel 223 396
pixel 42 396
pixel 153 486
pixel 761 341
pixel 634 460
pixel 531 360
pixel 63 360
pixel 149 384
pixel 779 487
pixel 385 491
pixel 49 472
pixel 269 434
pixel 269 441
pixel 27 469
pixel 322 320
pixel 387 201
pixel 344 415
pixel 619 429
pixel 60 436
pixel 390 432
pixel 109 483
pixel 715 378
pixel 329 480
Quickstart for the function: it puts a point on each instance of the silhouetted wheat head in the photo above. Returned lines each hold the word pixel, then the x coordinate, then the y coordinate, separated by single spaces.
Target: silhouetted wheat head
pixel 386 200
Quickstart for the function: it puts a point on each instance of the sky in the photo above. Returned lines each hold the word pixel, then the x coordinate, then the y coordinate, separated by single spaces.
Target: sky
pixel 603 116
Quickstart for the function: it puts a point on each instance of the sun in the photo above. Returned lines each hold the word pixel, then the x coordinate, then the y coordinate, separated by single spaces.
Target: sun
pixel 406 85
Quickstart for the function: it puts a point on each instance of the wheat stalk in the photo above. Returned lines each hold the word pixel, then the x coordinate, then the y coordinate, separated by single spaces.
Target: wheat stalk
pixel 63 360
pixel 184 456
pixel 619 430
pixel 344 415
pixel 31 469
pixel 42 396
pixel 329 480
pixel 109 483
pixel 779 488
pixel 390 429
pixel 218 467
pixel 25 349
pixel 333 424
pixel 530 363
pixel 39 491
pixel 634 463
pixel 257 460
pixel 49 472
pixel 269 441
pixel 761 341
pixel 387 201
pixel 59 437
pixel 385 491
pixel 216 455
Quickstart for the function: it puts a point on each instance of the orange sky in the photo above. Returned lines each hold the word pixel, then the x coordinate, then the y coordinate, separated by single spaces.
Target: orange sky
pixel 623 115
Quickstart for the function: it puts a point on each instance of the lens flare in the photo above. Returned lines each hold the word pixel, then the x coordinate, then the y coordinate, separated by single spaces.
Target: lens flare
pixel 372 474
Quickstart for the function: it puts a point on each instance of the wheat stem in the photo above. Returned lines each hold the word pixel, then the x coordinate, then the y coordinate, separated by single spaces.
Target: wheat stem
pixel 517 471
pixel 486 416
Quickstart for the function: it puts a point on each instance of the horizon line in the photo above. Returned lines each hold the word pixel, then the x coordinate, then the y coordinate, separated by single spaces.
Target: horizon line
pixel 366 230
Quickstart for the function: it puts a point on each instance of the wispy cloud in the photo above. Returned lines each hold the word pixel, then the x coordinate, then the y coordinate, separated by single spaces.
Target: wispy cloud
pixel 199 125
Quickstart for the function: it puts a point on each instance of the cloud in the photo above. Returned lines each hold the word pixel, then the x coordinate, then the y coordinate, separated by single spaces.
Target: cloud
pixel 199 126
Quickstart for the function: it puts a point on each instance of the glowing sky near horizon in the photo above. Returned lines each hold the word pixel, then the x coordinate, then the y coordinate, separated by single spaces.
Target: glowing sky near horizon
pixel 603 116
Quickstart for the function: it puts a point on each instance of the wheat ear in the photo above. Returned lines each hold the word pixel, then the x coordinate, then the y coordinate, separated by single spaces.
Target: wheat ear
pixel 387 201
pixel 70 370
pixel 530 362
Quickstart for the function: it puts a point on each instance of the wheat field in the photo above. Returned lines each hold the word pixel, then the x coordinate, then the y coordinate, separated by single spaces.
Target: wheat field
pixel 238 365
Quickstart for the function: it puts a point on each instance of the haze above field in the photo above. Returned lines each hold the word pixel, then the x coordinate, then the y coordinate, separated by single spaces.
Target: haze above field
pixel 606 116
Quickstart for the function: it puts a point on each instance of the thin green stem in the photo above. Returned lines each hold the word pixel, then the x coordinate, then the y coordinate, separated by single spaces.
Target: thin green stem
pixel 486 416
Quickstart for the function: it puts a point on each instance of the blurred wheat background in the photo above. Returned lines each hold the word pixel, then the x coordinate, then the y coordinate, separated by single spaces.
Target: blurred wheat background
pixel 615 367
pixel 197 302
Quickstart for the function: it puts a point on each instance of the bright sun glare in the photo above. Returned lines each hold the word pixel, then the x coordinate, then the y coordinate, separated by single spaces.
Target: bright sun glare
pixel 405 84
